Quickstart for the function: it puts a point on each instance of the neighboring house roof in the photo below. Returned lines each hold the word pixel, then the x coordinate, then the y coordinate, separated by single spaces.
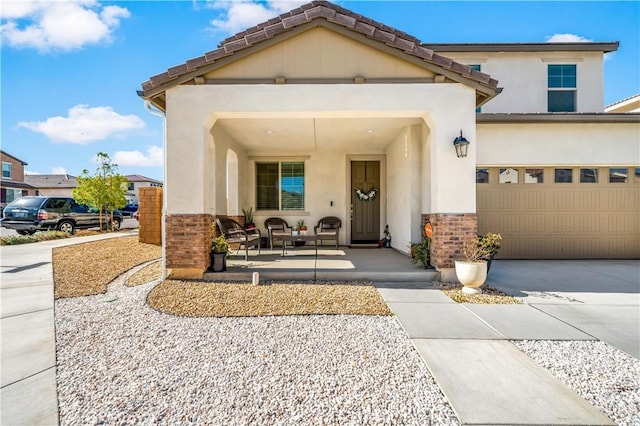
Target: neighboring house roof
pixel 24 163
pixel 558 117
pixel 51 181
pixel 630 104
pixel 140 178
pixel 605 47
pixel 312 14
pixel 15 184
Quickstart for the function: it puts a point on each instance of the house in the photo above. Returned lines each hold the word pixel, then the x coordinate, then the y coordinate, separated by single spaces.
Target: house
pixel 325 104
pixel 58 184
pixel 12 184
pixel 630 104
pixel 136 181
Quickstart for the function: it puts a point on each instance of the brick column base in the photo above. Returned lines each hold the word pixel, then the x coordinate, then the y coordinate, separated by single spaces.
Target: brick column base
pixel 450 231
pixel 188 244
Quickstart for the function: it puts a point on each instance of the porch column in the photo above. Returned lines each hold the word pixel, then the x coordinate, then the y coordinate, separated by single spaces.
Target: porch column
pixel 189 172
pixel 451 192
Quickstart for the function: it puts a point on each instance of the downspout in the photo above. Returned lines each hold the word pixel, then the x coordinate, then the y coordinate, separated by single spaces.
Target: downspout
pixel 157 112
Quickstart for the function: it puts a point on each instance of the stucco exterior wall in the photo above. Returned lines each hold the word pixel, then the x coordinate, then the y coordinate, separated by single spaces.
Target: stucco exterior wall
pixel 523 77
pixel 558 144
pixel 325 177
pixel 59 192
pixel 319 53
pixel 405 187
pixel 193 155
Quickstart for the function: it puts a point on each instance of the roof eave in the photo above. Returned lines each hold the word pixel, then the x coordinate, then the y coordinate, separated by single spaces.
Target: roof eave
pixel 558 117
pixel 605 47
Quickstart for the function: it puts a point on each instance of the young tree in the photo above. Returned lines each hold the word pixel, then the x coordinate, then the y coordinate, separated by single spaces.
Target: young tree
pixel 105 189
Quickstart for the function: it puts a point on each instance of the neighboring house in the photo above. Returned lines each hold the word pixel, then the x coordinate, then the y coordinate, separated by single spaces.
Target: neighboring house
pixel 12 184
pixel 326 104
pixel 58 185
pixel 135 182
pixel 630 104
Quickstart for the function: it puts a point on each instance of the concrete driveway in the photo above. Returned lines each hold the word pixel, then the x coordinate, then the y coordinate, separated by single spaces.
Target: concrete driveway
pixel 599 297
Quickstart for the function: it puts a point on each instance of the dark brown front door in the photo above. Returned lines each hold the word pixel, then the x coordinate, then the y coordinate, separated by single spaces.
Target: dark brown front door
pixel 365 219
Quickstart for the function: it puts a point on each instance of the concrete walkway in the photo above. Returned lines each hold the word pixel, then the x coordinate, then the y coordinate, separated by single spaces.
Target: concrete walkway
pixel 484 376
pixel 29 395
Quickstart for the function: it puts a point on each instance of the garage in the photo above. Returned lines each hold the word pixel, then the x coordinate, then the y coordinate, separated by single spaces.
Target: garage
pixel 561 212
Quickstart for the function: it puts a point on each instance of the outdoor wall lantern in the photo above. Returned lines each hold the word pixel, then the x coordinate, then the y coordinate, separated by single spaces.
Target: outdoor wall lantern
pixel 461 144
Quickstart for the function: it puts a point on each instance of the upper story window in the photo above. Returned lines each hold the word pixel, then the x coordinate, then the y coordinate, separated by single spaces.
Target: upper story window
pixel 561 95
pixel 476 68
pixel 130 186
pixel 280 185
pixel 6 170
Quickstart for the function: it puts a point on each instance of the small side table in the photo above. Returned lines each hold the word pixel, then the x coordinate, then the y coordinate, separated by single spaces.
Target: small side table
pixel 293 238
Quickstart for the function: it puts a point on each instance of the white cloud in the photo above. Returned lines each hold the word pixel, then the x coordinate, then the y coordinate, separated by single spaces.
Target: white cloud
pixel 58 170
pixel 85 125
pixel 30 172
pixel 62 25
pixel 153 157
pixel 239 15
pixel 567 38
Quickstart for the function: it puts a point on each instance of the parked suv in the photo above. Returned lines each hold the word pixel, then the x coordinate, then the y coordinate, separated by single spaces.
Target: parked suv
pixel 30 214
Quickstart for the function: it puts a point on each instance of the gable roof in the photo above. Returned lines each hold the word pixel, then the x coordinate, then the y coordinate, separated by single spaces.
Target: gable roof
pixel 320 13
pixel 140 178
pixel 51 181
pixel 15 158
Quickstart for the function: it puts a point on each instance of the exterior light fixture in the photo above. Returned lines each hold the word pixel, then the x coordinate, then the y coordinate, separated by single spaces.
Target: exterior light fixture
pixel 461 144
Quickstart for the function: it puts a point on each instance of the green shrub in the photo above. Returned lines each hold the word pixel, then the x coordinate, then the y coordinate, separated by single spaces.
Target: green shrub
pixel 13 240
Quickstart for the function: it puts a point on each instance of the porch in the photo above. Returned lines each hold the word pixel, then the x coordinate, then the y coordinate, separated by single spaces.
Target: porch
pixel 343 264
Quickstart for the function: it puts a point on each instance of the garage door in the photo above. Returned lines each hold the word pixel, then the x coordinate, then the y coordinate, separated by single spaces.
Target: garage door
pixel 561 212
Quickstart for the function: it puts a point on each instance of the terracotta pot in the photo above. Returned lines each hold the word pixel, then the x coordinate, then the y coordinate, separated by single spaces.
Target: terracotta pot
pixel 471 275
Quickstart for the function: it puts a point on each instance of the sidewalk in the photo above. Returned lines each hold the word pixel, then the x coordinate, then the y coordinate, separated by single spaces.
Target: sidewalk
pixel 484 376
pixel 27 335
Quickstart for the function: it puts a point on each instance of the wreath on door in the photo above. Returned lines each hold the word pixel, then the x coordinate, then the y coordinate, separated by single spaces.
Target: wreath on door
pixel 366 196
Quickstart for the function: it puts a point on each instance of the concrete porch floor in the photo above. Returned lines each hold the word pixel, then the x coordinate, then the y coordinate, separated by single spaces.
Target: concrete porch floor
pixel 343 264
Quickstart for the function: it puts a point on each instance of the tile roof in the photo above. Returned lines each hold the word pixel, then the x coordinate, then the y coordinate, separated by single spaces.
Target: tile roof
pixel 51 181
pixel 15 158
pixel 15 184
pixel 140 178
pixel 305 14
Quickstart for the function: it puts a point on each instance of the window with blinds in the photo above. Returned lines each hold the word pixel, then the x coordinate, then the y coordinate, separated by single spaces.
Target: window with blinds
pixel 280 185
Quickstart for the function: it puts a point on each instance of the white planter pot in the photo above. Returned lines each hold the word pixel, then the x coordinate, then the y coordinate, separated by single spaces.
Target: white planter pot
pixel 471 275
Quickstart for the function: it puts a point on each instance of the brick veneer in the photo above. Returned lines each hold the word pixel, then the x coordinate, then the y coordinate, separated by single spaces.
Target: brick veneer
pixel 150 219
pixel 450 231
pixel 188 244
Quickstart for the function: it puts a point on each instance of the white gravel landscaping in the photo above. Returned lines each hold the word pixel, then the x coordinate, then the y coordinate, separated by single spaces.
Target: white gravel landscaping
pixel 121 362
pixel 602 374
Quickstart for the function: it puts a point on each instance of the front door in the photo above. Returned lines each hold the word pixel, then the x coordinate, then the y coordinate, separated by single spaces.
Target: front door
pixel 365 202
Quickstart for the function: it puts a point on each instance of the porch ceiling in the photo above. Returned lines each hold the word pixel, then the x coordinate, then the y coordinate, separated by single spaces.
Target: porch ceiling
pixel 271 136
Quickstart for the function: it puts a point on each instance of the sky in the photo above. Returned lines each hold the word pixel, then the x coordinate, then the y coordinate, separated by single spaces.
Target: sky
pixel 69 70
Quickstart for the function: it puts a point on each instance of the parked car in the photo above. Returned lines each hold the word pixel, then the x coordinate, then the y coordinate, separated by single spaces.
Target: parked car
pixel 137 215
pixel 118 217
pixel 129 209
pixel 30 214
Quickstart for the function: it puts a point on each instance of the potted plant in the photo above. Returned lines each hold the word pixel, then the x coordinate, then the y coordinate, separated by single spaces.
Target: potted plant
pixel 302 230
pixel 301 227
pixel 248 218
pixel 219 249
pixel 421 252
pixel 472 271
pixel 491 243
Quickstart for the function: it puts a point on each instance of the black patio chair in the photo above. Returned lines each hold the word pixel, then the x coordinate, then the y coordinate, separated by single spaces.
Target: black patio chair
pixel 234 233
pixel 276 228
pixel 328 228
